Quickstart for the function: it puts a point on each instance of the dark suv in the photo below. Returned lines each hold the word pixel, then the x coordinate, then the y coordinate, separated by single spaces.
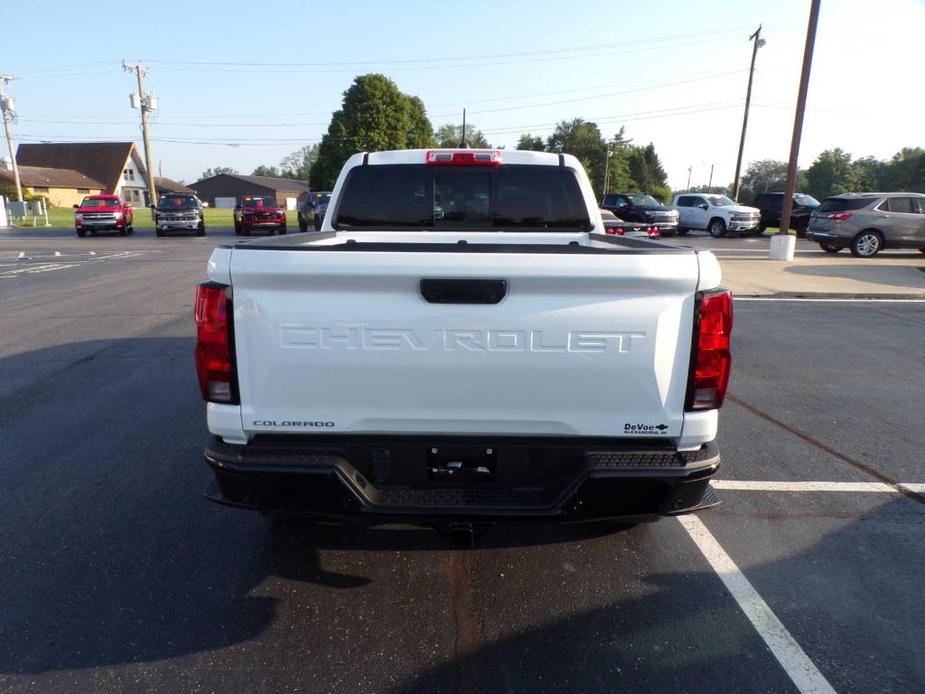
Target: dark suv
pixel 642 208
pixel 770 205
pixel 312 209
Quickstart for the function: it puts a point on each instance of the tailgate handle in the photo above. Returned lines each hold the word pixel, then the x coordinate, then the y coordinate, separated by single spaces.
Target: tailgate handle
pixel 440 291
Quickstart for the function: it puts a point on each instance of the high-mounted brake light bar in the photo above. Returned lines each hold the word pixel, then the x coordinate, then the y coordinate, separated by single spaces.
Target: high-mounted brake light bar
pixel 467 157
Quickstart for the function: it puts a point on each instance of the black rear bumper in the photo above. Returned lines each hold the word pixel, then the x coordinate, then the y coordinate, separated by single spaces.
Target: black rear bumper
pixel 404 478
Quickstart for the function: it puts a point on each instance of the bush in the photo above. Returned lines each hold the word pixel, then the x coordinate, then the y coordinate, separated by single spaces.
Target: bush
pixel 9 192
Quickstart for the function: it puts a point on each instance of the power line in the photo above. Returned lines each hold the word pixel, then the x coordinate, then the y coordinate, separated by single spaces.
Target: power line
pixel 431 65
pixel 441 115
pixel 571 50
pixel 70 67
pixel 260 142
pixel 602 96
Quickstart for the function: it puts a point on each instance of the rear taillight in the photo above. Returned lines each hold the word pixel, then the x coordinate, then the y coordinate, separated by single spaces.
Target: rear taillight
pixel 839 216
pixel 466 157
pixel 711 359
pixel 214 344
pixel 653 232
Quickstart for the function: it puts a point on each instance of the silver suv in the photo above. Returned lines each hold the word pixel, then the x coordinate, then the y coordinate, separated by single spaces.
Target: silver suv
pixel 867 223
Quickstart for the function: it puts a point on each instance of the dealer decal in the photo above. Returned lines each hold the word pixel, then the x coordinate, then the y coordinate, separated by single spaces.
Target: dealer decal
pixel 645 429
pixel 291 423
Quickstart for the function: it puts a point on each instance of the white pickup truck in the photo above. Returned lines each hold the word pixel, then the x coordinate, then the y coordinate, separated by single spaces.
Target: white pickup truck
pixel 462 343
pixel 717 214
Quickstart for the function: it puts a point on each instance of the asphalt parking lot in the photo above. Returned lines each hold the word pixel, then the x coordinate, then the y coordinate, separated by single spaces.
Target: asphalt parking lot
pixel 118 576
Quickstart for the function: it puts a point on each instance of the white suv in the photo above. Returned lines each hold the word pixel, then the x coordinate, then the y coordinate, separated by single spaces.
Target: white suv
pixel 716 214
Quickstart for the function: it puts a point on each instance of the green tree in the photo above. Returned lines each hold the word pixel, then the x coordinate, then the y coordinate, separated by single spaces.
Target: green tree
pixel 217 171
pixel 905 171
pixel 374 116
pixel 582 139
pixel 762 176
pixel 420 131
pixel 450 135
pixel 534 143
pixel 264 170
pixel 831 174
pixel 619 178
pixel 298 164
pixel 647 172
pixel 869 173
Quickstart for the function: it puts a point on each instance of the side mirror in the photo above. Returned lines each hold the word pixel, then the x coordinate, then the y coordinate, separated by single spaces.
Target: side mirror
pixel 703 206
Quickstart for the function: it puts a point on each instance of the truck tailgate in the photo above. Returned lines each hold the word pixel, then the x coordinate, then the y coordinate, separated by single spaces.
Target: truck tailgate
pixel 594 345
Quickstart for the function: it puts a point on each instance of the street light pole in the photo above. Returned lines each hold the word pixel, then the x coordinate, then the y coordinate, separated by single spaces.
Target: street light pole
pixel 758 43
pixel 798 117
pixel 607 170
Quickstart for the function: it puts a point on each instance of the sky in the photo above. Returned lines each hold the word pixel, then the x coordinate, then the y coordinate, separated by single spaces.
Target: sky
pixel 241 84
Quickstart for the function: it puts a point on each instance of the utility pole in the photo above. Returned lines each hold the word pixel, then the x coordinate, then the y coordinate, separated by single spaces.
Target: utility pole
pixel 6 105
pixel 798 117
pixel 690 170
pixel 462 142
pixel 710 184
pixel 607 170
pixel 145 104
pixel 758 43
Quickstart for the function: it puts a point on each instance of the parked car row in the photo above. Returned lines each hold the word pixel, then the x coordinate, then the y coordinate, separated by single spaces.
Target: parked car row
pixel 716 214
pixel 184 212
pixel 865 223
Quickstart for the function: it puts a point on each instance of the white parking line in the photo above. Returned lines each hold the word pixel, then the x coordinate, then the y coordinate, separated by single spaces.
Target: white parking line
pixel 829 300
pixel 802 671
pixel 783 486
pixel 36 269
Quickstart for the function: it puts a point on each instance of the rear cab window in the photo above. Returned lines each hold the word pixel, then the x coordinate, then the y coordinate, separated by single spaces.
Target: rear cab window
pixel 420 197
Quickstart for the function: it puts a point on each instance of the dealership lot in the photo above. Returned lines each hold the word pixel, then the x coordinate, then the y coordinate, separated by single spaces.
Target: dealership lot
pixel 119 576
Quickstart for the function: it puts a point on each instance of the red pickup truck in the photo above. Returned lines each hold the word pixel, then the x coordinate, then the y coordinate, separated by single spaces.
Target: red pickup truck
pixel 103 213
pixel 259 212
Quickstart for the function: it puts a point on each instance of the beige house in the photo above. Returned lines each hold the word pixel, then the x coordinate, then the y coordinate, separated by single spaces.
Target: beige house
pixel 65 172
pixel 61 187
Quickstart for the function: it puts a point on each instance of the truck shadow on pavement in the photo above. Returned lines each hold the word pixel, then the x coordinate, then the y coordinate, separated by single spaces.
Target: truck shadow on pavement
pixel 110 553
